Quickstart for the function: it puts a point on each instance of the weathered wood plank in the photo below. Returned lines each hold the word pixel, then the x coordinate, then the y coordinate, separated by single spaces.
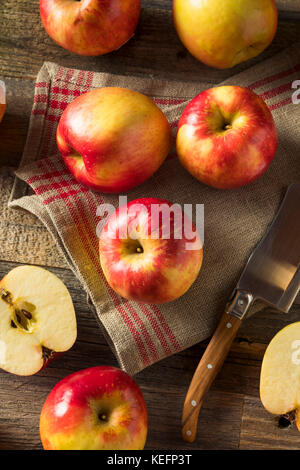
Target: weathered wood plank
pixel 13 129
pixel 218 427
pixel 23 237
pixel 24 45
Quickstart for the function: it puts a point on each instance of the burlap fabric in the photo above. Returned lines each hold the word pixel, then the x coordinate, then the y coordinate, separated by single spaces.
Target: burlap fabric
pixel 234 220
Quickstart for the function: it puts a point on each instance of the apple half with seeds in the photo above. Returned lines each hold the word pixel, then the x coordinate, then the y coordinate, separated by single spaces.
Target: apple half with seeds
pixel 280 373
pixel 37 320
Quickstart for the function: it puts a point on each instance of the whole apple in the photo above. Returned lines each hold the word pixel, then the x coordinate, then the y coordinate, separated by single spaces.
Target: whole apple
pixel 226 137
pixel 101 408
pixel 150 251
pixel 90 27
pixel 224 33
pixel 112 139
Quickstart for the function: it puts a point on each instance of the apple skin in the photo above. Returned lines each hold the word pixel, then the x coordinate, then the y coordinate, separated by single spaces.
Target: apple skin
pixel 163 271
pixel 113 139
pixel 2 99
pixel 70 415
pixel 90 27
pixel 226 137
pixel 223 34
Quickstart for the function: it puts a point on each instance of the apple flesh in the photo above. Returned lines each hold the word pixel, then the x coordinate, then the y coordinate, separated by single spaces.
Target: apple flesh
pixel 280 373
pixel 112 139
pixel 223 34
pixel 37 320
pixel 90 27
pixel 226 137
pixel 101 408
pixel 143 259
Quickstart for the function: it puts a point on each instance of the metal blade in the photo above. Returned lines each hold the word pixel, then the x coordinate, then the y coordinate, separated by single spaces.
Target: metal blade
pixel 272 273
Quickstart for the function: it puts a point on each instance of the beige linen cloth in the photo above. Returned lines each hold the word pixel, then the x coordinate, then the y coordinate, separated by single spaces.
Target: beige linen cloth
pixel 235 220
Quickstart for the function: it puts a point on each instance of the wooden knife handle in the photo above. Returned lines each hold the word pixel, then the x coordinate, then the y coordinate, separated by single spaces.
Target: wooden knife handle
pixel 209 366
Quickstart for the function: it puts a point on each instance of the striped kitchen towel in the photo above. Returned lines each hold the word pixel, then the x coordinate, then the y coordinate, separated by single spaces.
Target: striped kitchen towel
pixel 141 334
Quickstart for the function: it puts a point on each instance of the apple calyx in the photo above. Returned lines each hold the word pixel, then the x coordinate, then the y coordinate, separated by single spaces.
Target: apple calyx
pixel 48 354
pixel 286 420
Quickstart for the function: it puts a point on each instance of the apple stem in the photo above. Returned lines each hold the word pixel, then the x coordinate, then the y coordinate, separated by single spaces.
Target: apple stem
pixel 103 417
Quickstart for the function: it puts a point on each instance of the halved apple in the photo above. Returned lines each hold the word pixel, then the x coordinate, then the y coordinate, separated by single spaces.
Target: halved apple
pixel 280 373
pixel 37 319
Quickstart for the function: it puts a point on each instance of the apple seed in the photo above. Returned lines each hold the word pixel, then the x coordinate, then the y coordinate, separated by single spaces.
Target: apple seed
pixel 26 314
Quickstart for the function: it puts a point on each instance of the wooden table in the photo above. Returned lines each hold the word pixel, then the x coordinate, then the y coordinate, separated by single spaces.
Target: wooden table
pixel 232 416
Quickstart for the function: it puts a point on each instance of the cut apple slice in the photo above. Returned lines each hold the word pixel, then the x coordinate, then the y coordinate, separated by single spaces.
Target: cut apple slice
pixel 280 373
pixel 37 319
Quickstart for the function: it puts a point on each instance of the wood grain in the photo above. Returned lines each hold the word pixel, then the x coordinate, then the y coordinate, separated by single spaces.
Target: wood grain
pixel 231 416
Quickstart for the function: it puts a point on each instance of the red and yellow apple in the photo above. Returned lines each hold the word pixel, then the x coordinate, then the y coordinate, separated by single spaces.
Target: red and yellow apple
pixel 2 99
pixel 37 320
pixel 90 27
pixel 226 137
pixel 101 408
pixel 224 33
pixel 150 251
pixel 112 139
pixel 280 373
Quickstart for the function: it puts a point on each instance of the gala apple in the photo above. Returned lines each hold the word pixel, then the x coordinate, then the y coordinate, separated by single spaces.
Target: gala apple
pixel 224 33
pixel 112 139
pixel 101 408
pixel 226 137
pixel 150 251
pixel 90 27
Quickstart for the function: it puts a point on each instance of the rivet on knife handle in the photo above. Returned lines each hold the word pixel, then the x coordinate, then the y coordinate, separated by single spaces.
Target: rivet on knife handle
pixel 212 361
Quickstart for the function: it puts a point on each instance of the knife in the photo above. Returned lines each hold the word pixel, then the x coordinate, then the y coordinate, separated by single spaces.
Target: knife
pixel 272 274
